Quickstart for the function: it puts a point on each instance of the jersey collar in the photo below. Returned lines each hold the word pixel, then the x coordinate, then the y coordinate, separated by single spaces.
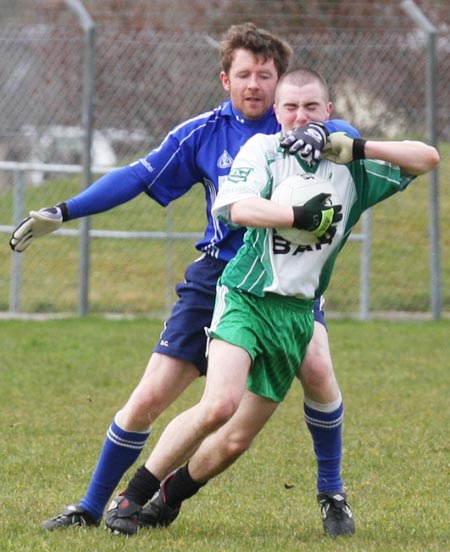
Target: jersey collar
pixel 229 109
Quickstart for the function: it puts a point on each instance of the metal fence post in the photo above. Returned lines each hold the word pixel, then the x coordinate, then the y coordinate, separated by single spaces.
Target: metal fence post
pixel 366 252
pixel 87 122
pixel 169 261
pixel 16 266
pixel 429 29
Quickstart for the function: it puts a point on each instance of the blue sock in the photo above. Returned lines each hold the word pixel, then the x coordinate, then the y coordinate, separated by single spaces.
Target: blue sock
pixel 324 421
pixel 120 450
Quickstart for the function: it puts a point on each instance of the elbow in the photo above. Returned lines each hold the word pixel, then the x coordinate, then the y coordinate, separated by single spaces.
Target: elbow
pixel 432 159
pixel 428 162
pixel 237 214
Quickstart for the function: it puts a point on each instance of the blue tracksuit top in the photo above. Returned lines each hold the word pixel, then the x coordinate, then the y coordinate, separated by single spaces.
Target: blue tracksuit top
pixel 200 150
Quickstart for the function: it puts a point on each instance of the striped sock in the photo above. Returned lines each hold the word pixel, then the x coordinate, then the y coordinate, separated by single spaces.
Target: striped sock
pixel 324 422
pixel 120 450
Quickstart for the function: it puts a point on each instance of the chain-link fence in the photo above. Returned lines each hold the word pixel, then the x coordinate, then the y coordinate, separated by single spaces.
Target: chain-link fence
pixel 146 82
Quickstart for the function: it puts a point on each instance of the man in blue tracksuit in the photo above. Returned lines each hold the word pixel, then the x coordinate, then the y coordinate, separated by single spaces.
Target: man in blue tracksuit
pixel 202 150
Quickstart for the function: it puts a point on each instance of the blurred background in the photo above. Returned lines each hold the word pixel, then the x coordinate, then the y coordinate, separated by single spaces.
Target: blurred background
pixel 122 73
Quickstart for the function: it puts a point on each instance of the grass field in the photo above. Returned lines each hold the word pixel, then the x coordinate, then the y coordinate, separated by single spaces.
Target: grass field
pixel 61 382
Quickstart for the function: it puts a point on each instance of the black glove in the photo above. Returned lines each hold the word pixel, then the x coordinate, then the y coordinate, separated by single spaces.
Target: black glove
pixel 317 216
pixel 329 234
pixel 308 141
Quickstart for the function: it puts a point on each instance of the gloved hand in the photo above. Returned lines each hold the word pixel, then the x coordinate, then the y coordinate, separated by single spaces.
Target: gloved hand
pixel 308 141
pixel 328 236
pixel 341 148
pixel 318 216
pixel 36 225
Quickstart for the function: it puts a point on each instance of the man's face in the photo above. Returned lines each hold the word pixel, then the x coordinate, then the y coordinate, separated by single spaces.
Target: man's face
pixel 299 105
pixel 251 83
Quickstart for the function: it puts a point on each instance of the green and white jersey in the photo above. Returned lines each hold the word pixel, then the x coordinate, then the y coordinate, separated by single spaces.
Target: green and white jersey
pixel 266 262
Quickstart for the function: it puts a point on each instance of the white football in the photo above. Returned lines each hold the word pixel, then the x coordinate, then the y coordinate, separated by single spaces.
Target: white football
pixel 297 190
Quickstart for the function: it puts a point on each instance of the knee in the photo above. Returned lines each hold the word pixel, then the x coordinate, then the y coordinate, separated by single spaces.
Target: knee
pixel 316 372
pixel 217 412
pixel 134 417
pixel 140 411
pixel 234 445
pixel 316 368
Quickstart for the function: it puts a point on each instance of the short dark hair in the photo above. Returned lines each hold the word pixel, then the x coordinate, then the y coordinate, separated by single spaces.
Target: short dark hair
pixel 259 41
pixel 302 76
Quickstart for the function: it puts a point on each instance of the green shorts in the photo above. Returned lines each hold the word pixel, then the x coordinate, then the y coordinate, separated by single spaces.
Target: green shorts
pixel 275 331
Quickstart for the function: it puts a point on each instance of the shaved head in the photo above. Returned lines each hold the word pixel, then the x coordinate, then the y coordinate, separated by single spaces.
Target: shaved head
pixel 301 77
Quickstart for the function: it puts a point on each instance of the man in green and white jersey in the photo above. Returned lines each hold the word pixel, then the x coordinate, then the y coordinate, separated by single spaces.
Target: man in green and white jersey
pixel 267 263
pixel 269 268
pixel 263 318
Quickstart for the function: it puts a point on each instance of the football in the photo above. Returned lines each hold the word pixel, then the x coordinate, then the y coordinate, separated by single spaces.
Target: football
pixel 295 190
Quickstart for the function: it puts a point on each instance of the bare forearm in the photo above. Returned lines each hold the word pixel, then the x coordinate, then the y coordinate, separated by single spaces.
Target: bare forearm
pixel 258 212
pixel 413 157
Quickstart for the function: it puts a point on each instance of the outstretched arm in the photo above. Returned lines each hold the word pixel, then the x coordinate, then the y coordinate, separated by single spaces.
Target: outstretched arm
pixel 413 157
pixel 107 192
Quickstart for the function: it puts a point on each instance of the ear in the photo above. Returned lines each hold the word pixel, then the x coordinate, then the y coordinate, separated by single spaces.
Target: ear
pixel 225 81
pixel 275 110
pixel 329 109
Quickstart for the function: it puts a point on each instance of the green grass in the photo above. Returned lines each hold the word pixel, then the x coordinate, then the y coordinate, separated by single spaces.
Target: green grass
pixel 62 381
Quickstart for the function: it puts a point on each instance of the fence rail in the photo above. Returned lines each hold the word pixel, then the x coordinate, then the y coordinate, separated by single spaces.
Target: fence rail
pixel 19 190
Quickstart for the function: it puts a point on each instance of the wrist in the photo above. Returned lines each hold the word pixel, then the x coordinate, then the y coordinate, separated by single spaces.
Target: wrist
pixel 64 211
pixel 299 217
pixel 323 127
pixel 359 148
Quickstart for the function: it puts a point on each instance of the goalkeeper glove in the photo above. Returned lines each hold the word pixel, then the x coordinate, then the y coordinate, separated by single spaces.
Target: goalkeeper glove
pixel 38 224
pixel 308 141
pixel 317 217
pixel 341 148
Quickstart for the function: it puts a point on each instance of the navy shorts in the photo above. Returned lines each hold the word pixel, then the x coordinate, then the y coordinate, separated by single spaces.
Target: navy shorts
pixel 184 334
